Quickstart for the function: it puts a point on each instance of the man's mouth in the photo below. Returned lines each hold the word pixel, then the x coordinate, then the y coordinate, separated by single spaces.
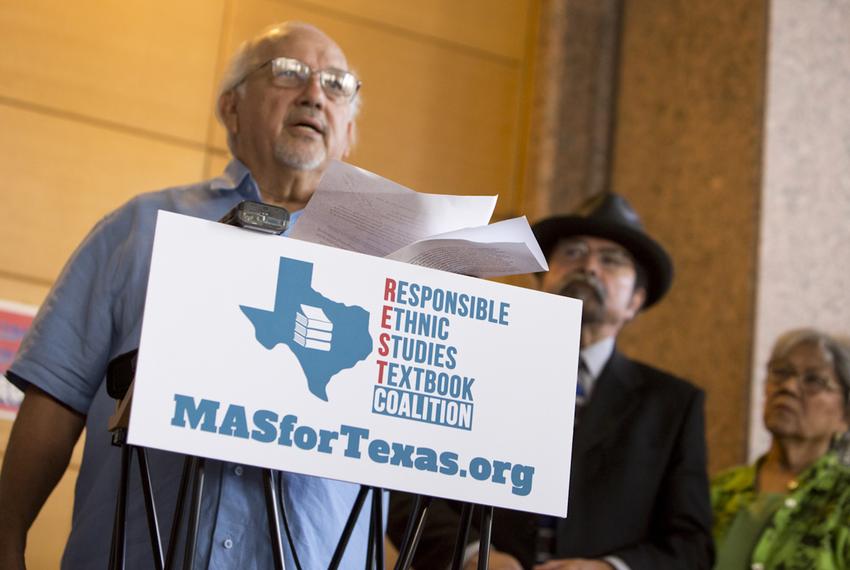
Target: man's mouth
pixel 309 125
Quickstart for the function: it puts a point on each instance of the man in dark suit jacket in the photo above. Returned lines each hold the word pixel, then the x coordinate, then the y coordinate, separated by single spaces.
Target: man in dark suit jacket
pixel 639 485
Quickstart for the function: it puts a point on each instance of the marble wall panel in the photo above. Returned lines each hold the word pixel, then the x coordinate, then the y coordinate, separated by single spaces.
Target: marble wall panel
pixel 804 256
pixel 688 156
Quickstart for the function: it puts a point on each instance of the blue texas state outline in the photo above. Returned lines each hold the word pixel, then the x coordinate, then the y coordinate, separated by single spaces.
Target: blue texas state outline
pixel 350 340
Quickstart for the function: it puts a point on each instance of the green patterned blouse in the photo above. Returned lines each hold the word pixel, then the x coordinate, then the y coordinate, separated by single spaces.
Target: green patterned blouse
pixel 809 531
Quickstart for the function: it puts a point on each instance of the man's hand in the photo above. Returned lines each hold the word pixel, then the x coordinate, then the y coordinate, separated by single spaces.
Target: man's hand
pixel 574 564
pixel 498 561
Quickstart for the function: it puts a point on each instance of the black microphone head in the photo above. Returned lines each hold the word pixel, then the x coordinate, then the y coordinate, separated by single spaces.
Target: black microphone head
pixel 257 216
pixel 120 373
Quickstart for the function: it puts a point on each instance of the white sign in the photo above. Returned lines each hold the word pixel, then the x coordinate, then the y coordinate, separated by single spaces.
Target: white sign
pixel 279 353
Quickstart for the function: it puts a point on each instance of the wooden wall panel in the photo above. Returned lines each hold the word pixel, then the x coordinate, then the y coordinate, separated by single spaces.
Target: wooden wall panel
pixel 61 176
pixel 496 28
pixel 103 99
pixel 146 64
pixel 449 125
pixel 29 292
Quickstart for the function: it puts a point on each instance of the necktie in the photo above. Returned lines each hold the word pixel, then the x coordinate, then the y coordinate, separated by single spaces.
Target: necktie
pixel 582 384
pixel 547 525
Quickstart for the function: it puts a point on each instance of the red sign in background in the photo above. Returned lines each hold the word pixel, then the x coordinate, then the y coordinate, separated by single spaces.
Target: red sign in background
pixel 13 326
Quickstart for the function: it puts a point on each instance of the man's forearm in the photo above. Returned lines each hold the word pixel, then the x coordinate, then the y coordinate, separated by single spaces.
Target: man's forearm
pixel 40 446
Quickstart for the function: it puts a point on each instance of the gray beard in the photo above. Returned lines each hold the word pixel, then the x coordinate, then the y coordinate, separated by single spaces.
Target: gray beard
pixel 299 159
pixel 592 296
pixel 592 309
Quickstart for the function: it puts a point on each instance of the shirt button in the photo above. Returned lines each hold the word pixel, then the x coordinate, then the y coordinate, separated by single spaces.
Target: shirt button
pixel 238 470
pixel 790 502
pixel 228 543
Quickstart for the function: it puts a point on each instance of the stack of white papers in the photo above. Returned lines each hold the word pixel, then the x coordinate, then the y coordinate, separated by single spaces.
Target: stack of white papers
pixel 357 210
pixel 313 329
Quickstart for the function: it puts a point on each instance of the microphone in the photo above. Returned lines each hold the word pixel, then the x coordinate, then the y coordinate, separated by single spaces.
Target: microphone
pixel 258 216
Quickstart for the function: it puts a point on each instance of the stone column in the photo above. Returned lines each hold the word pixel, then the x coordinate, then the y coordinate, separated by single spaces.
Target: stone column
pixel 804 258
pixel 573 104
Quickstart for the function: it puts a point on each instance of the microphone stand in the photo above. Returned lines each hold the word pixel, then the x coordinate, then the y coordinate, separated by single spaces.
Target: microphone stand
pixel 193 473
pixel 120 376
pixel 118 427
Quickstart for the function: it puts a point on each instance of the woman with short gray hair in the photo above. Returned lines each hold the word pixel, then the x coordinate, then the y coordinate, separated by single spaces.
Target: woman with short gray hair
pixel 791 509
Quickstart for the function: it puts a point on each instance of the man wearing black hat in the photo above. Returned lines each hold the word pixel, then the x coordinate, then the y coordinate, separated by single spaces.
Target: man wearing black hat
pixel 639 484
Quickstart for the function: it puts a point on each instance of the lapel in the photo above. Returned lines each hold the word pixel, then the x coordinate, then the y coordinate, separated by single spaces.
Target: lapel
pixel 615 396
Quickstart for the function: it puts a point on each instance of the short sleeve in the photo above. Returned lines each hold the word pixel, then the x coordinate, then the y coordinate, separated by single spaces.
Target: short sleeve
pixel 66 350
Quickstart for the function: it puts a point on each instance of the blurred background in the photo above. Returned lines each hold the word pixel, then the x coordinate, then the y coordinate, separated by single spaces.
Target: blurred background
pixel 726 124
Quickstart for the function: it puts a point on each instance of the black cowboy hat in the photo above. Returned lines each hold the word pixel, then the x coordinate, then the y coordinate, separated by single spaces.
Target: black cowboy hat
pixel 614 219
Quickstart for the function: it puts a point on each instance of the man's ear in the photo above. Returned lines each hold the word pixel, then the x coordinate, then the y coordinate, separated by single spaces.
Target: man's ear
pixel 637 301
pixel 350 138
pixel 227 111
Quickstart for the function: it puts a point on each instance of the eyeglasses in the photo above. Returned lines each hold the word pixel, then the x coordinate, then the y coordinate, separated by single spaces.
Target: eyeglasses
pixel 338 84
pixel 610 257
pixel 809 381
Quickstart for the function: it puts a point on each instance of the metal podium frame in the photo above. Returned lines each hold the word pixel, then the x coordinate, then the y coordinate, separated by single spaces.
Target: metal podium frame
pixel 416 523
pixel 192 479
pixel 193 474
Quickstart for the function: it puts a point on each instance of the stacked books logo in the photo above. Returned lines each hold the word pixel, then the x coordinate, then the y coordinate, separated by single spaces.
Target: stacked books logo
pixel 313 329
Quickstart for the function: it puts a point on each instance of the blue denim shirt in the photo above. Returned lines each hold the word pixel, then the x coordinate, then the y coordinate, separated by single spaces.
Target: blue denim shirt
pixel 93 314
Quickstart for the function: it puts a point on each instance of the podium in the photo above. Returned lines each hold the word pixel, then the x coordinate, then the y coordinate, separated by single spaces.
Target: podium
pixel 120 376
pixel 308 359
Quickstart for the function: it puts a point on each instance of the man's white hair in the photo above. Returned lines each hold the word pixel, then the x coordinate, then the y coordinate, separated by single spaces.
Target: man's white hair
pixel 246 59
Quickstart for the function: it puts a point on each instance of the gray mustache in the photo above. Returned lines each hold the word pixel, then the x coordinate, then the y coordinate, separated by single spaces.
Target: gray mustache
pixel 585 279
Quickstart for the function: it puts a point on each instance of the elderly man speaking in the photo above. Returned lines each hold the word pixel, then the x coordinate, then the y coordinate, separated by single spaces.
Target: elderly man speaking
pixel 288 102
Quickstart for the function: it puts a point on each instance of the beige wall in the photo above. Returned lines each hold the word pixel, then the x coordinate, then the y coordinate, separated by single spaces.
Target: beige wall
pixel 102 100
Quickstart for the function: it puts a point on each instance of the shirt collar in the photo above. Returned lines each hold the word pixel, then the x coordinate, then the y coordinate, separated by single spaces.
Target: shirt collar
pixel 596 355
pixel 236 176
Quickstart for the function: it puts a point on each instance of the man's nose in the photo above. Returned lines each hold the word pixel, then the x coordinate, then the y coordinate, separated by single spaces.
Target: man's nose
pixel 312 94
pixel 590 263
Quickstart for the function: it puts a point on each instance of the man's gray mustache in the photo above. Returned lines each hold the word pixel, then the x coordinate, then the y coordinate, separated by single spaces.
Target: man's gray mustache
pixel 589 280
